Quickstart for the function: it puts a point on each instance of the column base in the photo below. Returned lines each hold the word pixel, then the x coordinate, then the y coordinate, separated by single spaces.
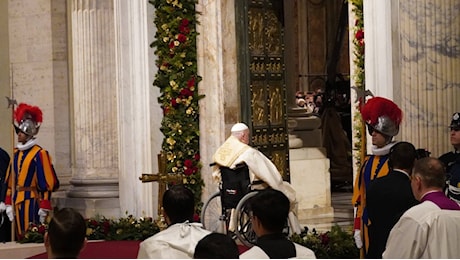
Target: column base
pixel 310 178
pixel 91 207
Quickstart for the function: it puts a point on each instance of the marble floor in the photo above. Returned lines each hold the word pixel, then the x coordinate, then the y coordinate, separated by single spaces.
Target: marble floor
pixel 343 213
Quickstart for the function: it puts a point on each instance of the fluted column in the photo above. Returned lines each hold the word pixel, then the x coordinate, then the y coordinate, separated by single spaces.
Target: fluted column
pixel 95 146
pixel 430 61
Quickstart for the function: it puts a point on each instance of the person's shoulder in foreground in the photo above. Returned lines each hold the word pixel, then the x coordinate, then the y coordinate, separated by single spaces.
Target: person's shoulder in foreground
pixel 257 253
pixel 182 235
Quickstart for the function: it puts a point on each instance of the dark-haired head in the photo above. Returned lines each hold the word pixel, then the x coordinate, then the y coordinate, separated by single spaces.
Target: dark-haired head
pixel 66 234
pixel 402 156
pixel 271 207
pixel 178 204
pixel 216 246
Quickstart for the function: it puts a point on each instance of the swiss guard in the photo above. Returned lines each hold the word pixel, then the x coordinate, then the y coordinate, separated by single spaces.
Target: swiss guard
pixel 382 117
pixel 30 177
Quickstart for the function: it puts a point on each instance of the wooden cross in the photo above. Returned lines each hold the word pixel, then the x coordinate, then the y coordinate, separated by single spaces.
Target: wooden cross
pixel 163 178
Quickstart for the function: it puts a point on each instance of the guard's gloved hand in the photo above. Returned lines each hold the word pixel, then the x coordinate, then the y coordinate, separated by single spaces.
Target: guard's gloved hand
pixel 42 213
pixel 2 207
pixel 357 236
pixel 9 212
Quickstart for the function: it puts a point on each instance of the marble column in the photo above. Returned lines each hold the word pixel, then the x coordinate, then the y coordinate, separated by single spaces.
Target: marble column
pixel 429 32
pixel 140 114
pixel 216 51
pixel 95 166
pixel 379 59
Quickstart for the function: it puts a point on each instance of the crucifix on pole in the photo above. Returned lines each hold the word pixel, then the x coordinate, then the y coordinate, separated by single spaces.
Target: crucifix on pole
pixel 163 178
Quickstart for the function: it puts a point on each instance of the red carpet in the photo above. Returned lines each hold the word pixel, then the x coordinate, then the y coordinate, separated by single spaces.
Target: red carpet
pixel 105 250
pixel 112 250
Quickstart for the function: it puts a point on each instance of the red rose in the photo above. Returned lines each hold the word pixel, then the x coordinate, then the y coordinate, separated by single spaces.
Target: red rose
pixel 188 171
pixel 188 163
pixel 196 217
pixel 186 92
pixel 181 38
pixel 359 35
pixel 41 229
pixel 191 82
pixel 171 45
pixel 196 157
pixel 184 29
pixel 324 239
pixel 184 22
pixel 173 102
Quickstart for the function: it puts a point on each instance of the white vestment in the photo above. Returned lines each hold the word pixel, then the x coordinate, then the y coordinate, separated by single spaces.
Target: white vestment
pixel 257 253
pixel 177 241
pixel 425 231
pixel 233 152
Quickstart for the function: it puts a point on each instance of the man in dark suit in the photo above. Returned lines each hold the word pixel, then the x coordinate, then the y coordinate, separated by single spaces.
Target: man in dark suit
pixel 5 223
pixel 390 196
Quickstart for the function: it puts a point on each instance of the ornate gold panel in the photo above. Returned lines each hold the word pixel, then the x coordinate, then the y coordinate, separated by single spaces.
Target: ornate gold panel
pixel 263 49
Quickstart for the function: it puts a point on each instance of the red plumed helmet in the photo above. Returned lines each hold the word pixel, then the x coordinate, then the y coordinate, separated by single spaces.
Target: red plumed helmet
pixel 29 119
pixel 382 115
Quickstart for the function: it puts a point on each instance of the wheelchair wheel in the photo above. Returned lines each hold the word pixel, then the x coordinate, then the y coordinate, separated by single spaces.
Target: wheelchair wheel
pixel 212 216
pixel 244 231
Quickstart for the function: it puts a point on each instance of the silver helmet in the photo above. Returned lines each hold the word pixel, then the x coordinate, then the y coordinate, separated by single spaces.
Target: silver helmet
pixel 28 127
pixel 28 119
pixel 386 126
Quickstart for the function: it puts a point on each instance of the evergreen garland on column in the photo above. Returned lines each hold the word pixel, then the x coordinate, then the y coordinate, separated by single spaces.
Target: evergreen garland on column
pixel 177 78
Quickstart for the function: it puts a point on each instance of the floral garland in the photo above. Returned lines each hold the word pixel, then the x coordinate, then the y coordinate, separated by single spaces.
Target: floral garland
pixel 101 228
pixel 175 48
pixel 358 49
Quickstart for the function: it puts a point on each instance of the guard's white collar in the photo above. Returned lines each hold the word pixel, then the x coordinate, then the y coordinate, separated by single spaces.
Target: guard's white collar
pixel 28 144
pixel 384 150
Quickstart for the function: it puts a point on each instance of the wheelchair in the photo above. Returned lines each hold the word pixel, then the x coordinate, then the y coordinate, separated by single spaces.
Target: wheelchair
pixel 228 207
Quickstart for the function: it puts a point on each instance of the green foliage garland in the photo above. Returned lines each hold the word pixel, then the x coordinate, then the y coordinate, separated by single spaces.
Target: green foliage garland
pixel 175 48
pixel 101 228
pixel 334 244
pixel 358 50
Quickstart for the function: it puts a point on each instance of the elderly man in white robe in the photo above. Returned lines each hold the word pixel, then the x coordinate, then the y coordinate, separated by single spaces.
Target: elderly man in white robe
pixel 236 151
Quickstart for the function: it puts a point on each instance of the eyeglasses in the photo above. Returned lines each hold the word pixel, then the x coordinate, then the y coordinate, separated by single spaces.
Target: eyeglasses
pixel 455 128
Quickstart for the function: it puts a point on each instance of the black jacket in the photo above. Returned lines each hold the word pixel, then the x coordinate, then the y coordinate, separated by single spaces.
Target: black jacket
pixel 4 161
pixel 387 198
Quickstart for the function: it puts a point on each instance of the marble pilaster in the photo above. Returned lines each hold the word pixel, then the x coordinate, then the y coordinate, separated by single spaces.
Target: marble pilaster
pixel 140 113
pixel 94 110
pixel 216 47
pixel 430 60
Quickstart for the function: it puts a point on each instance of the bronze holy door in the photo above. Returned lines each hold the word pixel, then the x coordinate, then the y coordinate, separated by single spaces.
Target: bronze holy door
pixel 261 67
